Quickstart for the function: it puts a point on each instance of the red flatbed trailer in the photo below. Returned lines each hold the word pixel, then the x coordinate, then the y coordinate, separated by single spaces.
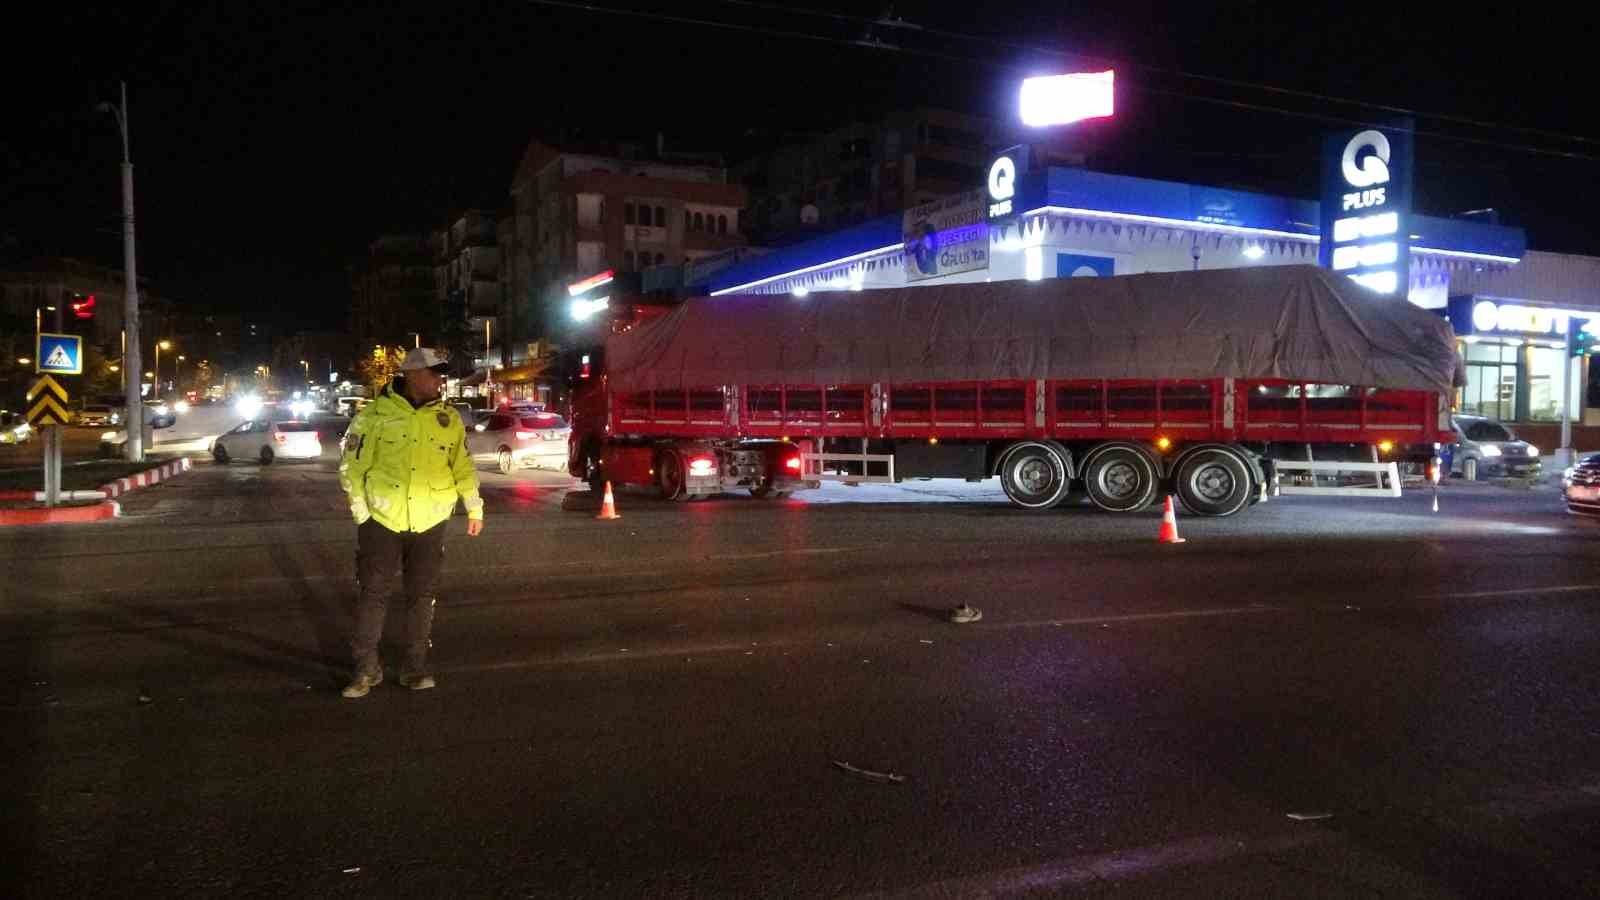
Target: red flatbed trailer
pixel 1219 443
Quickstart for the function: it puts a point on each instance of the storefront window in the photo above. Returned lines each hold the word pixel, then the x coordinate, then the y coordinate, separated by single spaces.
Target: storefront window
pixel 1544 383
pixel 1491 380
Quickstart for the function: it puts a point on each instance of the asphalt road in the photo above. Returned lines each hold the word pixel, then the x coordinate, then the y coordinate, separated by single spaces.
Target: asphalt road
pixel 1318 698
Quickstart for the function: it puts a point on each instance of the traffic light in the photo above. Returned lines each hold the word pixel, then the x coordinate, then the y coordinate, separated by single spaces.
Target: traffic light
pixel 82 305
pixel 1580 340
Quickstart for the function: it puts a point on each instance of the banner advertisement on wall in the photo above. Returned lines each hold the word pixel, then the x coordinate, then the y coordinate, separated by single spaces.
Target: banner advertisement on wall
pixel 946 236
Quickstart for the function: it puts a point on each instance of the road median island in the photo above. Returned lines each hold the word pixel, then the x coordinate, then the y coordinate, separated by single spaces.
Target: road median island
pixel 86 491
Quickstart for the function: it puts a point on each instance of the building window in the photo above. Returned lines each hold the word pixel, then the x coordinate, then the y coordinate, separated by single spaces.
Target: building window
pixel 722 224
pixel 661 217
pixel 1546 365
pixel 699 222
pixel 1491 380
pixel 627 213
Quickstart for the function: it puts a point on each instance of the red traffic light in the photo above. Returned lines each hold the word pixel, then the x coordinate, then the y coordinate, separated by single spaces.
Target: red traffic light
pixel 84 309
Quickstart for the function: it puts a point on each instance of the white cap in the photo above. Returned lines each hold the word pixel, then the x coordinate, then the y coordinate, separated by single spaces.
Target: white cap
pixel 421 358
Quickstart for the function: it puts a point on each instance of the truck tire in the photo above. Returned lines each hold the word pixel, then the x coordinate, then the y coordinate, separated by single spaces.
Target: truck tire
pixel 670 476
pixel 593 473
pixel 1119 478
pixel 1035 475
pixel 1213 481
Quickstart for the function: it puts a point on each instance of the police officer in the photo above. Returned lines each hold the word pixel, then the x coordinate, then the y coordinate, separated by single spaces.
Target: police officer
pixel 405 463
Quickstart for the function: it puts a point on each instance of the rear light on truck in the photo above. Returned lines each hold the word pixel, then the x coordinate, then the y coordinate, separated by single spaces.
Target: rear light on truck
pixel 792 464
pixel 701 466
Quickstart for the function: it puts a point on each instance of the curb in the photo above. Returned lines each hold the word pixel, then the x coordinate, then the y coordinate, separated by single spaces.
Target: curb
pixel 105 509
pixel 146 478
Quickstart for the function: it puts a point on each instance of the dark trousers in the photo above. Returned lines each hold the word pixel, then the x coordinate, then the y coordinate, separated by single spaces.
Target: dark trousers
pixel 379 554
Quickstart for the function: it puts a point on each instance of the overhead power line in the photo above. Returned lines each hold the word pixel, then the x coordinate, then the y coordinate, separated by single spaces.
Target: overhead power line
pixel 1180 73
pixel 965 60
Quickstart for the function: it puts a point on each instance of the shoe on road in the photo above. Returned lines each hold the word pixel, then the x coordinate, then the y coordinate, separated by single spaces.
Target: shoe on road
pixel 417 682
pixel 964 614
pixel 361 684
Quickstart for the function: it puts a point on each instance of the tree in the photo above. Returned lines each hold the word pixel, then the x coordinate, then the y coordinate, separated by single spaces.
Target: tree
pixel 379 367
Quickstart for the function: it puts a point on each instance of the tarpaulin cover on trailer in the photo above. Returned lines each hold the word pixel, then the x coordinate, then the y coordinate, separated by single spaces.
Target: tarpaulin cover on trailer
pixel 1293 322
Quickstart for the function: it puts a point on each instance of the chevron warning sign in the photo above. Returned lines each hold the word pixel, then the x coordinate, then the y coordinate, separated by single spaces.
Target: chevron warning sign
pixel 47 403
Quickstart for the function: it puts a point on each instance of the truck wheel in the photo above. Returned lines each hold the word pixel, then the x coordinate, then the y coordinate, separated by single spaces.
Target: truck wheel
pixel 1034 475
pixel 593 474
pixel 504 462
pixel 669 476
pixel 1213 481
pixel 1119 478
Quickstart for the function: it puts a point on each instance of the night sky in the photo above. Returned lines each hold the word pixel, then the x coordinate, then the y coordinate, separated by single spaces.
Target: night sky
pixel 272 141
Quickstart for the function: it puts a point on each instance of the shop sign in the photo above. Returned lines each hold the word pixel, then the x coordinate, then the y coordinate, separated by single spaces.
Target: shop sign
pixel 946 236
pixel 1001 186
pixel 1366 207
pixel 1063 99
pixel 1469 315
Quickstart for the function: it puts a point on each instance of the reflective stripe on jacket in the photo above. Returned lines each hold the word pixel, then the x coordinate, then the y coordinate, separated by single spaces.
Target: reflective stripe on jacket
pixel 405 466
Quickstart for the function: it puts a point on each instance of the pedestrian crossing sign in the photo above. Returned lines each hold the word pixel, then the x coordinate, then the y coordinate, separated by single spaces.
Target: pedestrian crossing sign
pixel 58 354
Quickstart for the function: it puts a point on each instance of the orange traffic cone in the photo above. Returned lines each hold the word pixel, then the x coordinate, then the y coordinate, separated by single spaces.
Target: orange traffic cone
pixel 1169 525
pixel 608 506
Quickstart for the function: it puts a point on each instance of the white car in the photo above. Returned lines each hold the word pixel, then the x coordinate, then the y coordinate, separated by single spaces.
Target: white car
pixel 266 441
pixel 14 428
pixel 513 439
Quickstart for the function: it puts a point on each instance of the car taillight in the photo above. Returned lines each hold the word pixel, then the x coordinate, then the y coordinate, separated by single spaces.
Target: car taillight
pixel 701 466
pixel 526 435
pixel 280 437
pixel 792 464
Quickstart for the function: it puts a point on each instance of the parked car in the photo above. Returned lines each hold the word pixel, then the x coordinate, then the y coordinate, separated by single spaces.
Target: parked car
pixel 330 429
pixel 1486 448
pixel 97 415
pixel 14 428
pixel 266 441
pixel 1581 485
pixel 159 415
pixel 513 440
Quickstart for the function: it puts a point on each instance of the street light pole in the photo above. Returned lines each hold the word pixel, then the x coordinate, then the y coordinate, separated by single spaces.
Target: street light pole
pixel 155 384
pixel 133 412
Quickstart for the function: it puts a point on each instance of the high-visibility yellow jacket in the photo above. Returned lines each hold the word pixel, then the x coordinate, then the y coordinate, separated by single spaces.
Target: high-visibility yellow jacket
pixel 405 465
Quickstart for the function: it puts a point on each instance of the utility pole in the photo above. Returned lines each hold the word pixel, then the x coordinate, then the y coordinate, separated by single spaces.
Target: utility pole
pixel 132 367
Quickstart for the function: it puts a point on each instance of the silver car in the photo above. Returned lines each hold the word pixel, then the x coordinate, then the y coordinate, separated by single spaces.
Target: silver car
pixel 513 439
pixel 1485 448
pixel 1581 486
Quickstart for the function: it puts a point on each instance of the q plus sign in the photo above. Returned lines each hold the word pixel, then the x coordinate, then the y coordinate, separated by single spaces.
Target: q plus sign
pixel 1002 186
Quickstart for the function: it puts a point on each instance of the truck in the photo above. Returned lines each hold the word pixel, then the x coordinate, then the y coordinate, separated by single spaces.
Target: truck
pixel 1223 387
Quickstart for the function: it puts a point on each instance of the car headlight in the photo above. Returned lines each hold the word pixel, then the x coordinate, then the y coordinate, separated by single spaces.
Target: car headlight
pixel 1532 450
pixel 1489 450
pixel 1566 474
pixel 115 418
pixel 183 406
pixel 108 436
pixel 163 409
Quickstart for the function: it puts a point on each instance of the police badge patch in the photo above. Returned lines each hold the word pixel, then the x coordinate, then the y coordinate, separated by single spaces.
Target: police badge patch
pixel 444 420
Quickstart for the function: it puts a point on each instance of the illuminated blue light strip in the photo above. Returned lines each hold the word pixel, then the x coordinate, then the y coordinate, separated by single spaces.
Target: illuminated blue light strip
pixel 1128 217
pixel 827 265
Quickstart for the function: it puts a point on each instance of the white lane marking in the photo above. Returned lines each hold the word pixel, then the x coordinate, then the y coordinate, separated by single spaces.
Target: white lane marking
pixel 767 554
pixel 1134 617
pixel 712 649
pixel 1517 592
pixel 1119 865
